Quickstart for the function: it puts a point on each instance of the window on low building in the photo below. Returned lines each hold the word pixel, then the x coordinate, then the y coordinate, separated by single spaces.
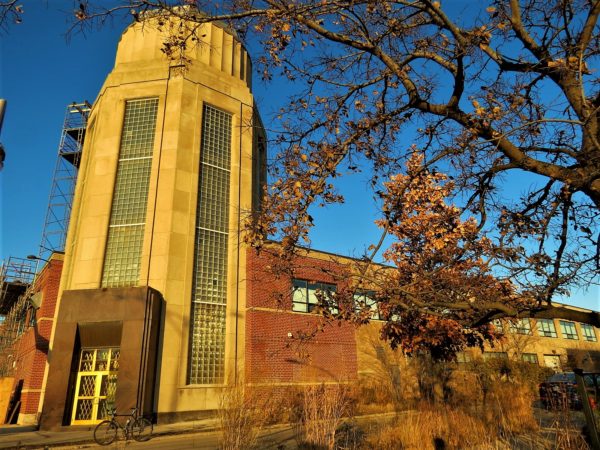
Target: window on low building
pixel 494 355
pixel 304 297
pixel 588 332
pixel 463 357
pixel 367 299
pixel 568 329
pixel 498 325
pixel 552 361
pixel 520 326
pixel 546 328
pixel 529 358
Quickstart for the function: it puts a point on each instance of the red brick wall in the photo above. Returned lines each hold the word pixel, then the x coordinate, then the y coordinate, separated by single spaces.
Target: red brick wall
pixel 32 347
pixel 271 355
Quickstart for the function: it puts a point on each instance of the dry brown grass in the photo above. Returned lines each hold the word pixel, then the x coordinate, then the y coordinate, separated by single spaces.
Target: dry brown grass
pixel 510 407
pixel 241 417
pixel 432 428
pixel 323 408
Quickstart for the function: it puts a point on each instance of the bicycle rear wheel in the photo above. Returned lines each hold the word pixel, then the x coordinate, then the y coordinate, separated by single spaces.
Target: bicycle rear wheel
pixel 141 430
pixel 106 432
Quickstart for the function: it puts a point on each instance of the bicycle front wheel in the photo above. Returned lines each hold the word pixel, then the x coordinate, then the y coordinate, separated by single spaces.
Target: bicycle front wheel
pixel 141 430
pixel 106 432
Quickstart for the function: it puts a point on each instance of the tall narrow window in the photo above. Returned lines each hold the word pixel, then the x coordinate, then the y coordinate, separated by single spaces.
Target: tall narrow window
pixel 568 329
pixel 546 328
pixel 209 289
pixel 588 332
pixel 130 198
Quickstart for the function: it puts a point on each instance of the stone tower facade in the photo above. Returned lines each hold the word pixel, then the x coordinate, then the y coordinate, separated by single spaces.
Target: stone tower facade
pixel 152 298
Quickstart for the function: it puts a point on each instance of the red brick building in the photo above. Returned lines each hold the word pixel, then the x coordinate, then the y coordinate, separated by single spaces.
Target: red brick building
pixel 276 320
pixel 27 355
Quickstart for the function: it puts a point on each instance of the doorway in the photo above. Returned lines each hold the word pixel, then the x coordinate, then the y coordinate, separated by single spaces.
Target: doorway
pixel 95 385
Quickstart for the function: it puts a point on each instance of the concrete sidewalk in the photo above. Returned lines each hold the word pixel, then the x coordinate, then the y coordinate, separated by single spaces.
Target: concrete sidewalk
pixel 27 437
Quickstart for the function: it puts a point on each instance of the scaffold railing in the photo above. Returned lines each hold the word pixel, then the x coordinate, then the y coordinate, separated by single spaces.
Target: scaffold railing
pixel 65 177
pixel 17 276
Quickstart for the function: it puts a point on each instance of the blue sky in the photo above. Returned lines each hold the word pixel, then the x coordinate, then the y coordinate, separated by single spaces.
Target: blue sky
pixel 41 73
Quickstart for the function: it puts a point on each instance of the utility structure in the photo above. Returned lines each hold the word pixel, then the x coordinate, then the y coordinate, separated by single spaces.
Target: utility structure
pixel 16 276
pixel 64 179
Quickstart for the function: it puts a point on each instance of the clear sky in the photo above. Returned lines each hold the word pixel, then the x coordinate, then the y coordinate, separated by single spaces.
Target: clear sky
pixel 41 73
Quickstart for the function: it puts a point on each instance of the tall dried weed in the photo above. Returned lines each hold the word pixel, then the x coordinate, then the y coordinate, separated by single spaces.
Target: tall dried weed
pixel 323 407
pixel 241 416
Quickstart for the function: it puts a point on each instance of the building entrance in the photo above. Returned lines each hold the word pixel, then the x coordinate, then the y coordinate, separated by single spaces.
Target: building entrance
pixel 95 385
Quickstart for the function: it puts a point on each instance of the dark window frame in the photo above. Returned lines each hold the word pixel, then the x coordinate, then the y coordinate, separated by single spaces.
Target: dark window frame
pixel 574 336
pixel 531 358
pixel 591 336
pixel 550 333
pixel 308 302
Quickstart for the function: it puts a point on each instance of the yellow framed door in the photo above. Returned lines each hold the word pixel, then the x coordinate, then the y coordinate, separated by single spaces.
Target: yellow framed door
pixel 95 385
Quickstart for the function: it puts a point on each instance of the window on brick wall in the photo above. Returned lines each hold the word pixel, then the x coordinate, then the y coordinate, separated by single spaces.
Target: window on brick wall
pixel 568 329
pixel 494 355
pixel 366 299
pixel 304 296
pixel 529 358
pixel 498 325
pixel 546 328
pixel 463 357
pixel 520 326
pixel 588 332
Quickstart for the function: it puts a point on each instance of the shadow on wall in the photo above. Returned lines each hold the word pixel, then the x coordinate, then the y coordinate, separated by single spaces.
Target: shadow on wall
pixel 588 360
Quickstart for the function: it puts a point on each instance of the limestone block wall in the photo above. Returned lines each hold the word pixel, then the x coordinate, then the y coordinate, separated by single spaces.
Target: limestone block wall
pixel 218 74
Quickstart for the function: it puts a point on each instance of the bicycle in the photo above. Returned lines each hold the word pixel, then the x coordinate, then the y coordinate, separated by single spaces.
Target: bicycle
pixel 139 428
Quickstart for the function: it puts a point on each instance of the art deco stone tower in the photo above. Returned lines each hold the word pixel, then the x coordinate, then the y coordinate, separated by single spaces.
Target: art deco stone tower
pixel 152 295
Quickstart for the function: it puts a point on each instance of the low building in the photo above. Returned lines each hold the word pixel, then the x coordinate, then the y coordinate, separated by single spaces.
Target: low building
pixel 555 343
pixel 25 333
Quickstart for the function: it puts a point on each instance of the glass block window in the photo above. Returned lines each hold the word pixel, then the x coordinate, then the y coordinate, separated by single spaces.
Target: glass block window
pixel 588 332
pixel 546 328
pixel 529 358
pixel 130 198
pixel 367 299
pixel 304 294
pixel 568 329
pixel 209 288
pixel 520 326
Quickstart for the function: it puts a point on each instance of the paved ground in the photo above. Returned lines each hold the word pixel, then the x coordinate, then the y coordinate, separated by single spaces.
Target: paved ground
pixel 200 434
pixel 15 437
pixel 279 437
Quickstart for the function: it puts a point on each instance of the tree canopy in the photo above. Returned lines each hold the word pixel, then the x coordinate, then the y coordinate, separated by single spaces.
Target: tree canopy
pixel 493 95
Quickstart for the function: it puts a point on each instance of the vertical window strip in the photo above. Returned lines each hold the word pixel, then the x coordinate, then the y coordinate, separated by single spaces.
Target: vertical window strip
pixel 209 289
pixel 130 198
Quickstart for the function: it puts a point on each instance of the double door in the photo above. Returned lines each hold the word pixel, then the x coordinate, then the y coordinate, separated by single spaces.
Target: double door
pixel 95 385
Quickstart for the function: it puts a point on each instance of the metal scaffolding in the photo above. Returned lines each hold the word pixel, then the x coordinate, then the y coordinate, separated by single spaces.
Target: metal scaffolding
pixel 16 278
pixel 16 274
pixel 65 177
